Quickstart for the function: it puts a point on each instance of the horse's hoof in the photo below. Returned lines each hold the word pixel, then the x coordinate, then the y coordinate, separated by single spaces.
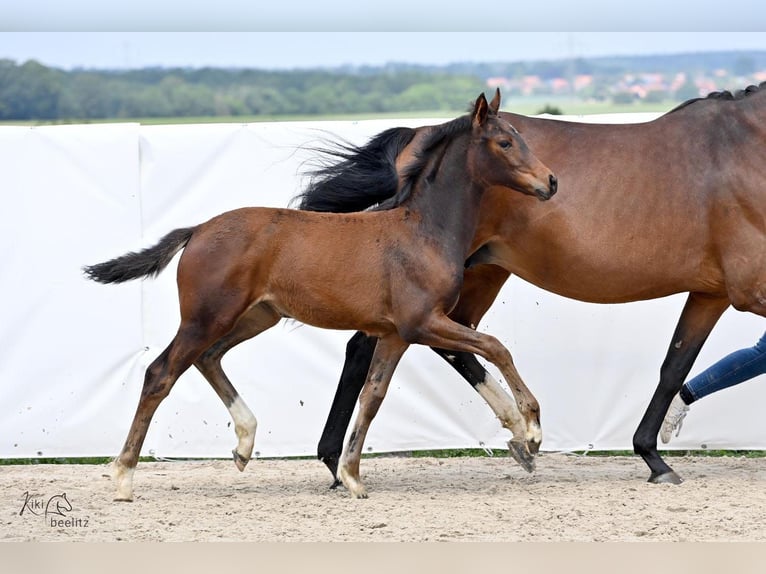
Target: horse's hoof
pixel 331 462
pixel 533 446
pixel 357 491
pixel 353 484
pixel 240 460
pixel 520 453
pixel 122 499
pixel 336 483
pixel 669 477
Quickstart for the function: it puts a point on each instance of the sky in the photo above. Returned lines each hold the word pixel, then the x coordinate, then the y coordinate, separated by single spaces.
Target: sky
pixel 289 50
pixel 329 33
pixel 387 15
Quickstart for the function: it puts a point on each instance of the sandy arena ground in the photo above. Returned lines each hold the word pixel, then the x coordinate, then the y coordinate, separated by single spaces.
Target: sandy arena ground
pixel 568 498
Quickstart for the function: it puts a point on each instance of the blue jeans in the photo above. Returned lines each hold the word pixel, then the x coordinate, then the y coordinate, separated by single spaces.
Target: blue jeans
pixel 733 369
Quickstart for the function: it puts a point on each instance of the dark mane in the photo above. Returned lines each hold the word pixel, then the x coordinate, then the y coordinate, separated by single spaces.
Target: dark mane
pixel 725 95
pixel 413 172
pixel 355 177
pixel 366 176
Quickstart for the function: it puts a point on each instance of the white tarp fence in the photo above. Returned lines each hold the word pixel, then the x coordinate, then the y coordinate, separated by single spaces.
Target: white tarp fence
pixel 73 352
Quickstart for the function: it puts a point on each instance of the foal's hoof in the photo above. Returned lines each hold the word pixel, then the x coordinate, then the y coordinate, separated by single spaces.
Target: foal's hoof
pixel 122 499
pixel 240 460
pixel 669 477
pixel 520 453
pixel 354 486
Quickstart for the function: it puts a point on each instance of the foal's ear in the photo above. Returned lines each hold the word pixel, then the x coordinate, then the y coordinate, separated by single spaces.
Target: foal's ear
pixel 480 111
pixel 494 105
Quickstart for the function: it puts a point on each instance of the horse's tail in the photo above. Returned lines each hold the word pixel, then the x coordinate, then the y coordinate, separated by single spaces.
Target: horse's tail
pixel 356 177
pixel 145 263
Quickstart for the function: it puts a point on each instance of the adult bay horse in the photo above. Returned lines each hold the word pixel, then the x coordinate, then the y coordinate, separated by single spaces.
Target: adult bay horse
pixel 673 205
pixel 394 274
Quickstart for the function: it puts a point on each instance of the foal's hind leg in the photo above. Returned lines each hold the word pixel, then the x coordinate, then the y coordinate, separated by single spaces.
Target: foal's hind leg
pixel 160 377
pixel 256 320
pixel 388 352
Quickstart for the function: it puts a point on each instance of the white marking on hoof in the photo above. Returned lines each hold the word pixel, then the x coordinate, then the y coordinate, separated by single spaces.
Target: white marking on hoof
pixel 245 426
pixel 534 432
pixel 352 484
pixel 123 478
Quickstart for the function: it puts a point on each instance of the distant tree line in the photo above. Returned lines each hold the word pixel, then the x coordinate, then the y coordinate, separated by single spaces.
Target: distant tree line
pixel 32 91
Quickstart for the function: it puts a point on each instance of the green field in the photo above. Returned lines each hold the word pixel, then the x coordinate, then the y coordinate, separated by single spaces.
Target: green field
pixel 525 106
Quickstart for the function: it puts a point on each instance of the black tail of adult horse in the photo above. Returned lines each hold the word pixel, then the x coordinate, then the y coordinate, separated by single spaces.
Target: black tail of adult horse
pixel 704 162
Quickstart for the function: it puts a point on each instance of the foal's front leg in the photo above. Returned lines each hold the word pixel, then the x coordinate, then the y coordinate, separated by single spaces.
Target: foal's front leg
pixel 388 352
pixel 522 416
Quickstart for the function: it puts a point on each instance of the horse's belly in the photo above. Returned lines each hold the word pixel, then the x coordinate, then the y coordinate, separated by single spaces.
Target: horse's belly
pixel 357 310
pixel 615 283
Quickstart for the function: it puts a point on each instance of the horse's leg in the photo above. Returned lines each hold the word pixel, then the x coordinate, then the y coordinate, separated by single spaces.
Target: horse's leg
pixel 522 416
pixel 205 318
pixel 698 318
pixel 257 319
pixel 480 287
pixel 160 377
pixel 387 353
pixel 359 351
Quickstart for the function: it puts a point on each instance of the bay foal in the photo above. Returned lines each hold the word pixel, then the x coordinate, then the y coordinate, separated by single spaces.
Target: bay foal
pixel 394 274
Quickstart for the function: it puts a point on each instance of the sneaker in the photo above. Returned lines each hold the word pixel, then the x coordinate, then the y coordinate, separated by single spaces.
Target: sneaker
pixel 674 419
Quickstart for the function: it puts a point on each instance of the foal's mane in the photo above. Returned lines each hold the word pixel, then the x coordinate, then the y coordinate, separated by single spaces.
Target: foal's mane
pixel 724 95
pixel 354 178
pixel 412 173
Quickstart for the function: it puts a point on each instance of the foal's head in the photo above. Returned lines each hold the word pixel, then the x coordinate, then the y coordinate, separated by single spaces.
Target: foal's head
pixel 498 156
pixel 494 155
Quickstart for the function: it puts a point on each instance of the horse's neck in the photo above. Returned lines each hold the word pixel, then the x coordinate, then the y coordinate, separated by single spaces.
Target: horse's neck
pixel 449 207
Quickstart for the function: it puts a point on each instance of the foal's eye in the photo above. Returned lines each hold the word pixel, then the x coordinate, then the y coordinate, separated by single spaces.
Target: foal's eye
pixel 505 144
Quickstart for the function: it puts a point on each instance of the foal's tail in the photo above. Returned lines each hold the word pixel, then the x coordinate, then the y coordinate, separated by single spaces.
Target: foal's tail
pixel 145 263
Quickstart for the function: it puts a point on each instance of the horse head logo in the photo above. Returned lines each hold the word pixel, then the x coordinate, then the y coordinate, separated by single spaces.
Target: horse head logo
pixel 58 504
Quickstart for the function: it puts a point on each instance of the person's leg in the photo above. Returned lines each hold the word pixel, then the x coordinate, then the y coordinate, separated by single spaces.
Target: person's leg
pixel 734 368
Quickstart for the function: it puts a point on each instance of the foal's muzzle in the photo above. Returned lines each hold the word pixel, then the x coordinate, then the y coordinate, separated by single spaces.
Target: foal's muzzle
pixel 544 194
